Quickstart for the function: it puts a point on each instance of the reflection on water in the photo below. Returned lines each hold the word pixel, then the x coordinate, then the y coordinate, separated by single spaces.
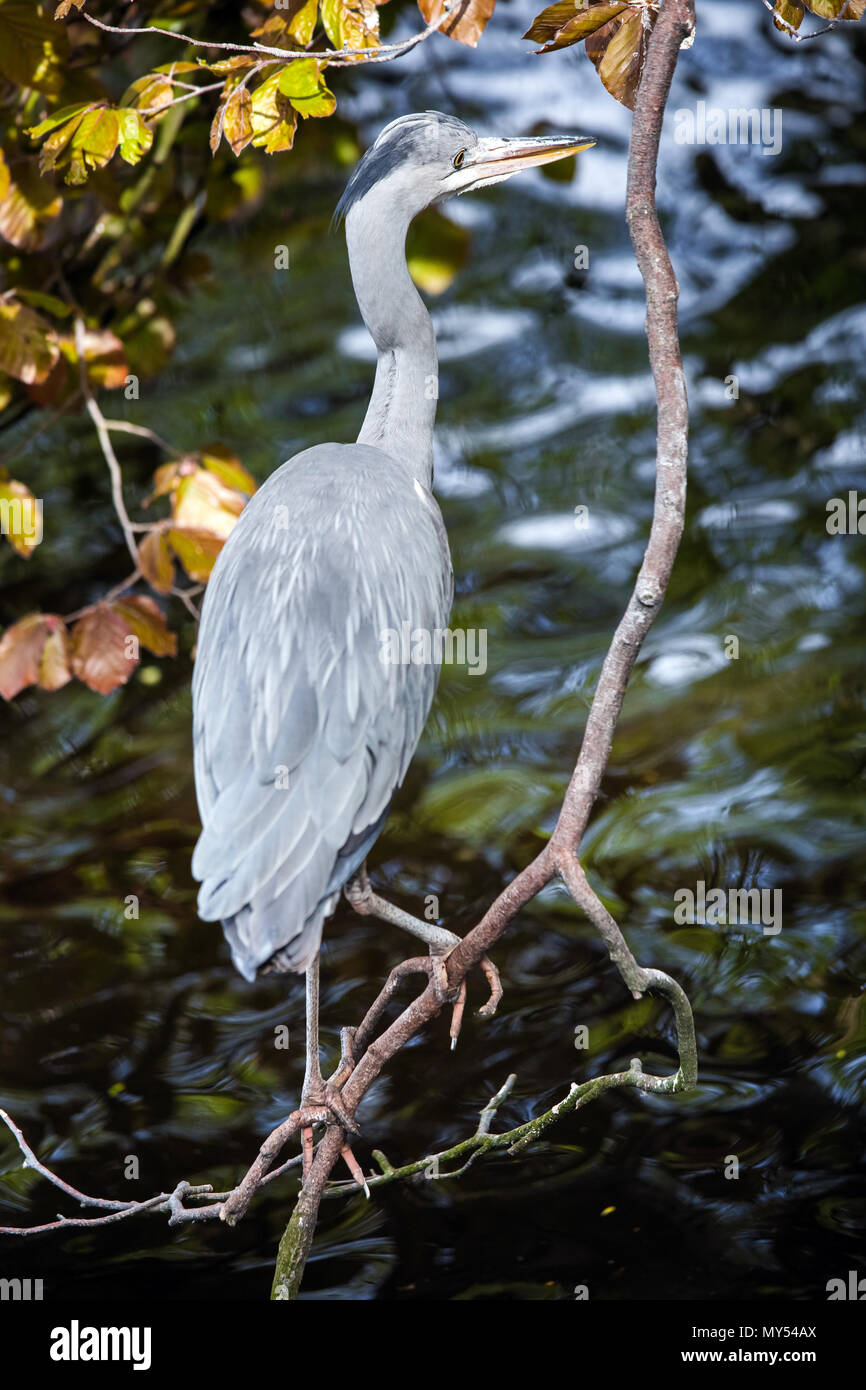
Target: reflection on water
pixel 135 1037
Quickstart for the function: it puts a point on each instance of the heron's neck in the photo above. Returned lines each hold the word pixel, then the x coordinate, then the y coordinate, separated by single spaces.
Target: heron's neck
pixel 402 409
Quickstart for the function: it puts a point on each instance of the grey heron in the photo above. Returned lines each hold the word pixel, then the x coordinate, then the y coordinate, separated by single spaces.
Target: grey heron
pixel 302 731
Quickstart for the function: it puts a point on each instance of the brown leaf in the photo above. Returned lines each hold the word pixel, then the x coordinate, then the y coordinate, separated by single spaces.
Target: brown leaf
pixel 619 50
pixel 568 22
pixel 157 565
pixel 237 122
pixel 21 652
pixel 145 620
pixel 102 652
pixel 466 22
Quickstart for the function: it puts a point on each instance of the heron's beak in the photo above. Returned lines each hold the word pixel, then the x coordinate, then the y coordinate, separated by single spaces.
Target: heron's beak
pixel 493 160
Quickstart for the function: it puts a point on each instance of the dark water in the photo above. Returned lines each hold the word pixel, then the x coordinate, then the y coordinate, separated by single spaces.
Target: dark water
pixel 136 1037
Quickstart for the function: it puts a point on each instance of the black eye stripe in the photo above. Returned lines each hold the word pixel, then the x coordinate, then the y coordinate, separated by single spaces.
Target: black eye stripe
pixel 458 159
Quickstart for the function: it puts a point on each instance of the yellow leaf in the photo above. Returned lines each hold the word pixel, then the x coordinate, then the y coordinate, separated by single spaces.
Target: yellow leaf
pixel 154 557
pixel 204 502
pixel 20 516
pixel 197 550
pixel 145 621
pixel 28 344
pixel 28 208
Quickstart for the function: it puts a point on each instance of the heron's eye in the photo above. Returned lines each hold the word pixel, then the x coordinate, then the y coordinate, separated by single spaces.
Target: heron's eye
pixel 458 159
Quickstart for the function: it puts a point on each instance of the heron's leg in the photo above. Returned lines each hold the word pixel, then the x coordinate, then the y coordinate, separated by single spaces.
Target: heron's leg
pixel 317 1092
pixel 440 943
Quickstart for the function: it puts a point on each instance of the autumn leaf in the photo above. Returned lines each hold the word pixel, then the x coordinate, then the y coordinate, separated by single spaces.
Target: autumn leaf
pixel 204 502
pixel 103 355
pixel 103 654
pixel 33 651
pixel 832 9
pixel 155 560
pixel 569 22
pixel 28 344
pixel 619 50
pixel 197 550
pixel 151 93
pixel 789 11
pixel 20 516
pixel 29 208
pixel 272 116
pixel 54 668
pixel 145 620
pixel 467 21
pixel 220 460
pixel 292 27
pixel 353 23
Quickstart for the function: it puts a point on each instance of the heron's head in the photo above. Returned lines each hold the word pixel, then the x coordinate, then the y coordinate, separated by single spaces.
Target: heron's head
pixel 424 158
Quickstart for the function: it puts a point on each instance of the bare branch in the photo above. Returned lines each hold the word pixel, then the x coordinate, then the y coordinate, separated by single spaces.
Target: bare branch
pixel 341 57
pixel 105 443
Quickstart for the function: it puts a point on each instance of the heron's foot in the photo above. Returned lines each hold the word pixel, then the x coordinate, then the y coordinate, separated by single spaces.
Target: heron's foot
pixel 321 1103
pixel 457 998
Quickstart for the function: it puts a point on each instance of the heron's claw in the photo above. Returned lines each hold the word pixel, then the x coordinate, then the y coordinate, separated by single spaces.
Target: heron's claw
pixel 321 1103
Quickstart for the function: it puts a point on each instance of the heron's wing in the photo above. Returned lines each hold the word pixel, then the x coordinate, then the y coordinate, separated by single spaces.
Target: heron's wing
pixel 302 732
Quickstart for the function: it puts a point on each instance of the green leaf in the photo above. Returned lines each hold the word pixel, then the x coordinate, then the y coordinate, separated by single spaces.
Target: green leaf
pixel 136 137
pixel 93 144
pixel 59 118
pixel 305 88
pixel 49 302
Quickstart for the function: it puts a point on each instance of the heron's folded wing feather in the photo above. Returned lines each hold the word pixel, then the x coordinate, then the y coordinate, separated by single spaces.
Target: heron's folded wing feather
pixel 302 732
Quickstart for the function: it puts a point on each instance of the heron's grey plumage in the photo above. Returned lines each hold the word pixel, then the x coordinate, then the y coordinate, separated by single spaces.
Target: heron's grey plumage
pixel 302 731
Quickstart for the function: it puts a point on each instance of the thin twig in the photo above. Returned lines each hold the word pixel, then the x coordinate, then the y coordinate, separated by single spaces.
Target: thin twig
pixel 340 57
pixel 105 443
